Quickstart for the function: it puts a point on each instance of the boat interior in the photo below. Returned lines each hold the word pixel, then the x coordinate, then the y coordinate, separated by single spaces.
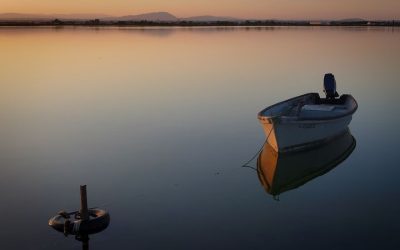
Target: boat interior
pixel 312 106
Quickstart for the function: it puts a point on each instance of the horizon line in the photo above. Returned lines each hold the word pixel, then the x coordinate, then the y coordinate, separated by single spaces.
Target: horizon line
pixel 54 15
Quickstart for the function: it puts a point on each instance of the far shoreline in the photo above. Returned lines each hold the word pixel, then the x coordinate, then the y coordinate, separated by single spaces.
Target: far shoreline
pixel 248 23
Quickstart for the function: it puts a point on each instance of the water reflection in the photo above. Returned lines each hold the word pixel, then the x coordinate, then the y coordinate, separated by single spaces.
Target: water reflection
pixel 84 238
pixel 280 172
pixel 81 106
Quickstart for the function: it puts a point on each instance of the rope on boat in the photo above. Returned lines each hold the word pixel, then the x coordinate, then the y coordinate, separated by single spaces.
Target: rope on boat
pixel 259 151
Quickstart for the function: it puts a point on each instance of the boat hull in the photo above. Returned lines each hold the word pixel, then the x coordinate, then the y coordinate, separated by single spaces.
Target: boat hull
pixel 297 135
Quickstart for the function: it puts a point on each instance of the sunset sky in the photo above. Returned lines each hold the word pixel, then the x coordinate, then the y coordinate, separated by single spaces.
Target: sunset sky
pixel 291 9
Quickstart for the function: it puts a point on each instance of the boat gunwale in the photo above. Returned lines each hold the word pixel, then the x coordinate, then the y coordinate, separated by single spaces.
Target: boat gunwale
pixel 296 119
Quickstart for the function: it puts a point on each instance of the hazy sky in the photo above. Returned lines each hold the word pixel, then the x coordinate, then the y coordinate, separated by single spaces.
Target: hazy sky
pixel 295 9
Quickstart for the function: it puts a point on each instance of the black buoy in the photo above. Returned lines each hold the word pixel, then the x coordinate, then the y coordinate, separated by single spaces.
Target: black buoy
pixel 83 222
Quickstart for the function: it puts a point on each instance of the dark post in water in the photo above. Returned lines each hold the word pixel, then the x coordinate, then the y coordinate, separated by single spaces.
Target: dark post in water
pixel 84 207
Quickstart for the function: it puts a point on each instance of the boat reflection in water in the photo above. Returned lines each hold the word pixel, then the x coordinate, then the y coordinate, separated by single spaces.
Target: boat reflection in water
pixel 280 172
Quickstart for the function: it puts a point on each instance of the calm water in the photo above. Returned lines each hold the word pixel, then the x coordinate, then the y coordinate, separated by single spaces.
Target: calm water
pixel 157 123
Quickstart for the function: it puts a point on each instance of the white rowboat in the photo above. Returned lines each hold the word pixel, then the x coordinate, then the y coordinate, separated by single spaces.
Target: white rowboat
pixel 306 120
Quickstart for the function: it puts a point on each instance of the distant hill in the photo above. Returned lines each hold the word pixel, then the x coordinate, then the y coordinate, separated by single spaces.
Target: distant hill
pixel 209 19
pixel 153 16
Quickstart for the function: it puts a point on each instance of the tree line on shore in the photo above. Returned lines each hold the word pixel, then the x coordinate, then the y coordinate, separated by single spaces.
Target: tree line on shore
pixel 98 22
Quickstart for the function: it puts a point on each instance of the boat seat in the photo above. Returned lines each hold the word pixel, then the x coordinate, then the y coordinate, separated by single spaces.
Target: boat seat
pixel 323 111
pixel 318 107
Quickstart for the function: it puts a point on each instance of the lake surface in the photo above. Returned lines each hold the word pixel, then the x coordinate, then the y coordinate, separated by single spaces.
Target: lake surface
pixel 158 122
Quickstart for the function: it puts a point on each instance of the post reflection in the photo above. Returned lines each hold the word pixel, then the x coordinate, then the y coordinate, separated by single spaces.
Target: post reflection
pixel 281 172
pixel 84 238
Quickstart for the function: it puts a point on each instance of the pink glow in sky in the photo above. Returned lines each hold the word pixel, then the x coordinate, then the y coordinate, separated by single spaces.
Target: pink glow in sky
pixel 290 9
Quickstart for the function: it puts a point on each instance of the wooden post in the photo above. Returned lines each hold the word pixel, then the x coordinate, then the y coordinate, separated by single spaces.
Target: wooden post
pixel 84 206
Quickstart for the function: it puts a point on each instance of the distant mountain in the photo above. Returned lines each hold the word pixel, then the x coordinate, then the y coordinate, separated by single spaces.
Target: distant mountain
pixel 209 19
pixel 152 16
